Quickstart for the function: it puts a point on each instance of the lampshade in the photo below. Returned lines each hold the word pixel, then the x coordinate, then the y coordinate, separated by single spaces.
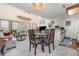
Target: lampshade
pixel 73 9
pixel 37 5
pixel 24 18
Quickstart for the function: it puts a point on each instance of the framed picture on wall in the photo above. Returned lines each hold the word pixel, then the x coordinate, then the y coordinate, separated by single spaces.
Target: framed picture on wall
pixel 68 23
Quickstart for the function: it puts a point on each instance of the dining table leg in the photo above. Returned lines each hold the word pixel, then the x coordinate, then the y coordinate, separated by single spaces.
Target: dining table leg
pixel 42 44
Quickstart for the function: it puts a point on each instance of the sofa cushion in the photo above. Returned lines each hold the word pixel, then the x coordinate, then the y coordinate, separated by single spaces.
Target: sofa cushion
pixel 7 34
pixel 8 37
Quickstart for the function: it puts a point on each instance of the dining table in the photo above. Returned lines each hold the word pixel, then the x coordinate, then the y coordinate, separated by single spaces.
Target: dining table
pixel 41 36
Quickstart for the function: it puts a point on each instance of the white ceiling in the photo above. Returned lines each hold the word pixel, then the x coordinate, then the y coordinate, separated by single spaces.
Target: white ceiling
pixel 50 10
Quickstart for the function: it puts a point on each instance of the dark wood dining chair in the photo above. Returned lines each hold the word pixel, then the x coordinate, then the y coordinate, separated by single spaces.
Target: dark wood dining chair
pixel 33 40
pixel 50 38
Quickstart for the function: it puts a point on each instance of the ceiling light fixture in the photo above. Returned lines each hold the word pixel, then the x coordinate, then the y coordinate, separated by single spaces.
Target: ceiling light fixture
pixel 37 5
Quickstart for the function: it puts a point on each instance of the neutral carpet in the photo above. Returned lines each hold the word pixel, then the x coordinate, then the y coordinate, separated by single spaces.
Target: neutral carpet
pixel 22 49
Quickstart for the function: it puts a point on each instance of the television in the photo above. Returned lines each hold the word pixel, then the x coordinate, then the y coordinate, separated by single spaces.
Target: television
pixel 42 28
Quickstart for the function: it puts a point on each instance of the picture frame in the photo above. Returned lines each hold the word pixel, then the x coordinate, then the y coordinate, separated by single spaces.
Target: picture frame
pixel 68 23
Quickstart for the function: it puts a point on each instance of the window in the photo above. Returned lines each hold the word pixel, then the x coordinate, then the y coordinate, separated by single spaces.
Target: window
pixel 4 24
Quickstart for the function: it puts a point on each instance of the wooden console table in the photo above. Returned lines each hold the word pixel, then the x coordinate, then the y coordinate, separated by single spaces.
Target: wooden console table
pixel 2 44
pixel 75 44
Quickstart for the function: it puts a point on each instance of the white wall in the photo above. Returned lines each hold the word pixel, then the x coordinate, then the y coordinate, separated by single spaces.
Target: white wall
pixel 37 20
pixel 10 13
pixel 58 21
pixel 71 31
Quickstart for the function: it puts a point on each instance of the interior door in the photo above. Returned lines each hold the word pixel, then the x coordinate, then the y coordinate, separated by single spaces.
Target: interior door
pixel 78 31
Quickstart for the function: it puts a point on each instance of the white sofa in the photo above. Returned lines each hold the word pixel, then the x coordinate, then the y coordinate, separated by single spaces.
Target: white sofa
pixel 10 43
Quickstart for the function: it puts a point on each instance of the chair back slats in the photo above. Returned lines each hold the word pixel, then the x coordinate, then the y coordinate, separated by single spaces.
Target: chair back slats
pixel 31 34
pixel 46 31
pixel 50 38
pixel 52 32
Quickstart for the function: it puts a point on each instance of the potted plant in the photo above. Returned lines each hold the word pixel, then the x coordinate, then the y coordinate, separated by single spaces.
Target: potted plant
pixel 50 24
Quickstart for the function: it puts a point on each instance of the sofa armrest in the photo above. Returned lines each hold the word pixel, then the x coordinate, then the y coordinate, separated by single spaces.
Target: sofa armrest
pixel 8 37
